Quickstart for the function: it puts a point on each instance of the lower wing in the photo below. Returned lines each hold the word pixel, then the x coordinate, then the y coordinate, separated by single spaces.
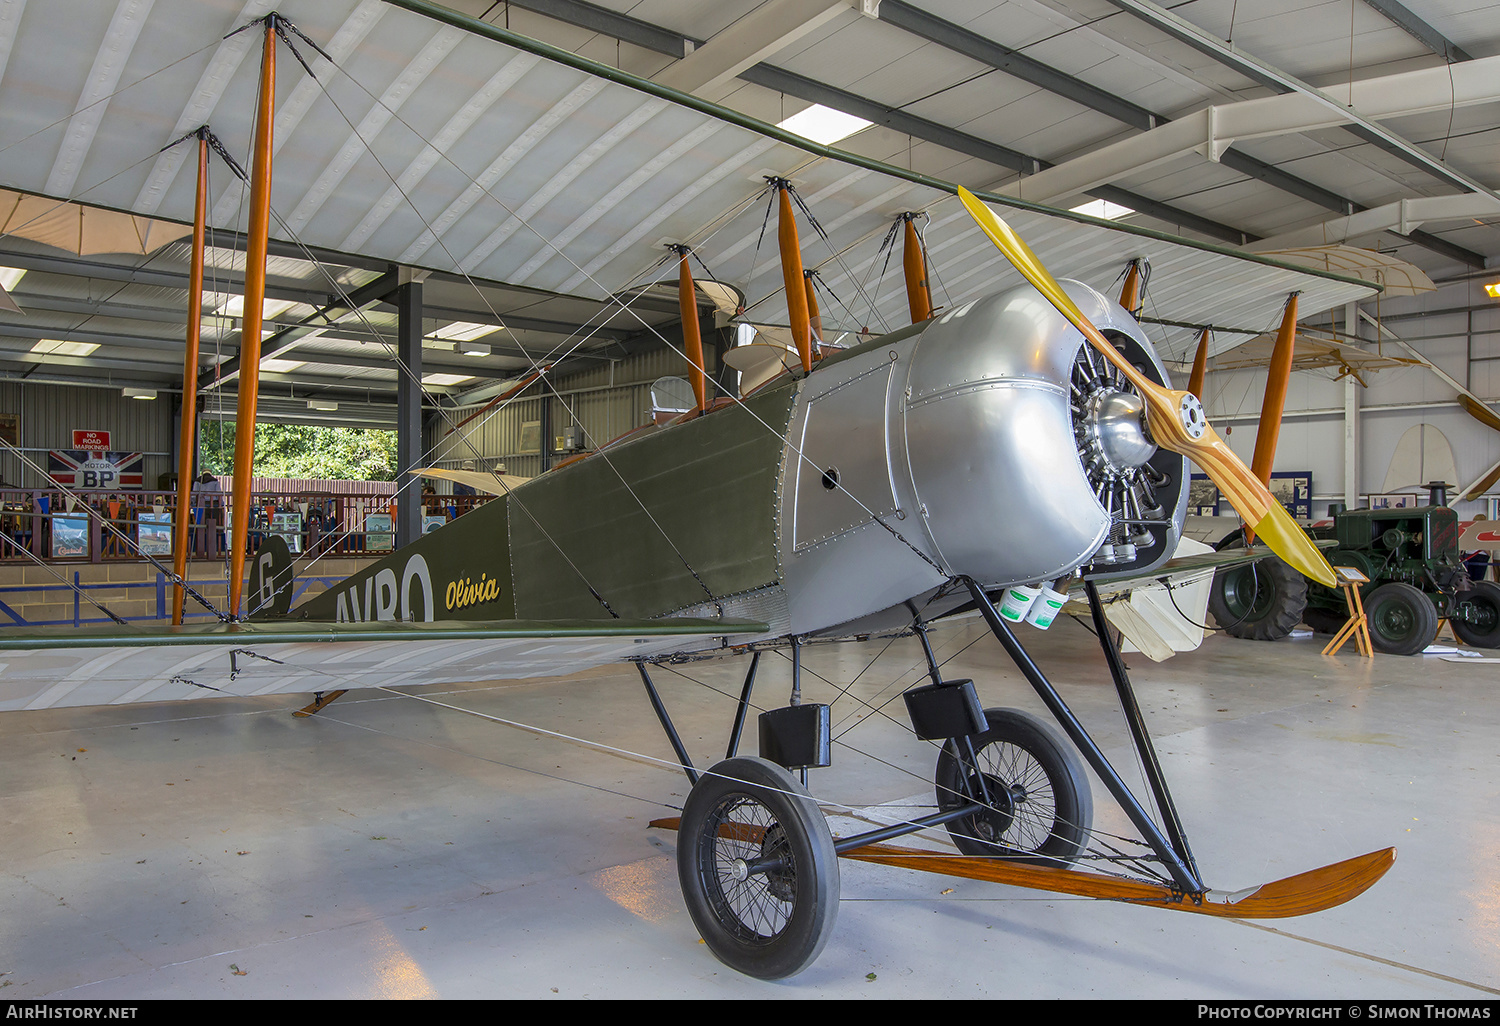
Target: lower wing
pixel 47 667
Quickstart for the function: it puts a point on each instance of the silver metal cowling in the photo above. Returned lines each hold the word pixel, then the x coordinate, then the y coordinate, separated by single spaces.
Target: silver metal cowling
pixel 953 450
pixel 989 435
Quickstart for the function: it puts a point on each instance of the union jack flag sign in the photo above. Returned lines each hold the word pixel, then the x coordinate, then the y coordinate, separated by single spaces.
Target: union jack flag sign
pixel 96 471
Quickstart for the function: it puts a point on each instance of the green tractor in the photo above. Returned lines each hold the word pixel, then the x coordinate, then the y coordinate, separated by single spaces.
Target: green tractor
pixel 1416 578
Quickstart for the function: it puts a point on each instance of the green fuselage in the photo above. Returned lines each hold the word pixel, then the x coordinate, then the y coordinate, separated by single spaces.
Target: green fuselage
pixel 674 518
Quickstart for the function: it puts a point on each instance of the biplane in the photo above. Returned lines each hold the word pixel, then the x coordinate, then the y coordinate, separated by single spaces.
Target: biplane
pixel 1021 434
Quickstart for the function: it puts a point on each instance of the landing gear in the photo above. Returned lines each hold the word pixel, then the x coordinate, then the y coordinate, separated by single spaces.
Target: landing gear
pixel 1038 807
pixel 758 869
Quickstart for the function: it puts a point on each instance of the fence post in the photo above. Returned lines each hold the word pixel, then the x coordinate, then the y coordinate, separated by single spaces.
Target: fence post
pixel 161 596
pixel 76 593
pixel 38 523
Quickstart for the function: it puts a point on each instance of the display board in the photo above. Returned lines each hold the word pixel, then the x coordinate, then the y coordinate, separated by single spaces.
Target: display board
pixel 154 533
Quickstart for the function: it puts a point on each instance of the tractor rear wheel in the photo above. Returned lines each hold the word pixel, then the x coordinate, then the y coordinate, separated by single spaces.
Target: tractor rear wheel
pixel 1262 601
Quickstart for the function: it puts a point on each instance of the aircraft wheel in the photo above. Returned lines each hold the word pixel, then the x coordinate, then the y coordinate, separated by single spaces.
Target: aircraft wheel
pixel 1481 611
pixel 1040 805
pixel 769 923
pixel 1403 620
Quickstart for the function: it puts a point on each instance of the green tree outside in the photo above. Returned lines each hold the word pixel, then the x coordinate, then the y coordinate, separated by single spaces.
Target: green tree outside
pixel 298 450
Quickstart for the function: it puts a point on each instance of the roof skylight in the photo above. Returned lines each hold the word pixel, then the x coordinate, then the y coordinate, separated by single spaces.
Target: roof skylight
pixel 824 124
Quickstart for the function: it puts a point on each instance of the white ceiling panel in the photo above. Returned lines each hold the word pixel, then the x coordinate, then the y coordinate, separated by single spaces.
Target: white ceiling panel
pixel 433 146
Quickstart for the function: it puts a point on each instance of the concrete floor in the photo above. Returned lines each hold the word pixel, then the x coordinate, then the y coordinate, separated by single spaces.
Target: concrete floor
pixel 390 848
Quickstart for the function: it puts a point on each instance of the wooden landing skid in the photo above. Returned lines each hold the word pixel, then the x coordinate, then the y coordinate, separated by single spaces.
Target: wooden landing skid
pixel 1300 895
pixel 323 699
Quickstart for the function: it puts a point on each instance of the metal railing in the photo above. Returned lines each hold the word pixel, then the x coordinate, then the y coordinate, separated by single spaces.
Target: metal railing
pixel 40 522
pixel 86 612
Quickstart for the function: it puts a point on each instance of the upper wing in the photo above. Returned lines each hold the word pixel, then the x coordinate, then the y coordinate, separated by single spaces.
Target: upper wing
pixel 46 667
pixel 442 142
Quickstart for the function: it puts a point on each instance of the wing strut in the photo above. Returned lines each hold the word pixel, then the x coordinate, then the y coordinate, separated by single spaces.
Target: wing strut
pixel 255 291
pixel 1200 366
pixel 1277 377
pixel 914 262
pixel 1130 293
pixel 692 338
pixel 187 443
pixel 791 273
pixel 814 315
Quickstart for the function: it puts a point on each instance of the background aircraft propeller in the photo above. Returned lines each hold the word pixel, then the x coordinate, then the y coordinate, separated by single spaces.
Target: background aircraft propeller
pixel 1174 418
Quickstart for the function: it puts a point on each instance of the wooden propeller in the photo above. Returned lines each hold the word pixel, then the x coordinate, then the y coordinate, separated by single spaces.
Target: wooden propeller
pixel 1174 418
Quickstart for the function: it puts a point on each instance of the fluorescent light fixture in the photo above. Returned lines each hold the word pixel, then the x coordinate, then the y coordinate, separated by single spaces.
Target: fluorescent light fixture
pixel 1493 289
pixel 138 393
pixel 824 124
pixel 445 379
pixel 10 277
pixel 276 366
pixel 1103 208
pixel 326 405
pixel 59 347
pixel 473 349
pixel 463 331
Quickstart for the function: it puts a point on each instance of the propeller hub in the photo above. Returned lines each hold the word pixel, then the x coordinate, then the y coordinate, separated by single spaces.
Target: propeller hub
pixel 1194 420
pixel 1117 422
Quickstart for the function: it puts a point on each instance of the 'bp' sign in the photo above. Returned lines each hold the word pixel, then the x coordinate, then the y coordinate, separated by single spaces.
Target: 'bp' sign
pixel 87 471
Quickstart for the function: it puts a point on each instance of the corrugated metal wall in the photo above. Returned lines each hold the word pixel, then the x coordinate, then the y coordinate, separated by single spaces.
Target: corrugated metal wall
pixel 606 401
pixel 1457 328
pixel 49 414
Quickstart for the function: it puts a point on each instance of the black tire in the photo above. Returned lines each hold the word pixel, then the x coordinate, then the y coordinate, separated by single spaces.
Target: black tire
pixel 1477 619
pixel 1403 620
pixel 1040 805
pixel 773 924
pixel 1233 540
pixel 1262 601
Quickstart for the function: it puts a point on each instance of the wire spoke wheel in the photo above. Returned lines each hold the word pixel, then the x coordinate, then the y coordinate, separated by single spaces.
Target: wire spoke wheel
pixel 1039 807
pixel 758 870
